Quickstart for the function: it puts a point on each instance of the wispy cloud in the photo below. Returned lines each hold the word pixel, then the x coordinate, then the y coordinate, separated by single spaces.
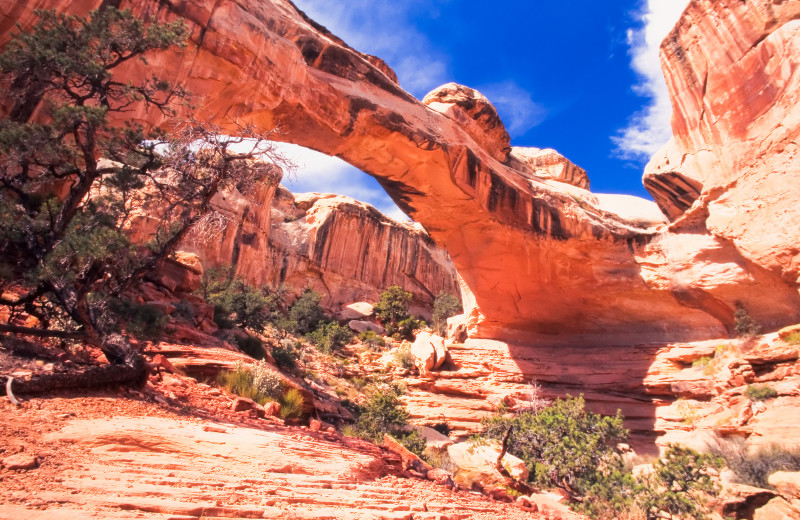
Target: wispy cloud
pixel 515 105
pixel 317 172
pixel 386 30
pixel 649 128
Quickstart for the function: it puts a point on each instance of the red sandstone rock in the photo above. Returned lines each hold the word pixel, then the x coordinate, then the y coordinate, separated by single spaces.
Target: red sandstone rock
pixel 551 164
pixel 23 461
pixel 553 240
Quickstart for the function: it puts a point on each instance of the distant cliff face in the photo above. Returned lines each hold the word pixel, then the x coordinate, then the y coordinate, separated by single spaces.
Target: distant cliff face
pixel 542 259
pixel 342 248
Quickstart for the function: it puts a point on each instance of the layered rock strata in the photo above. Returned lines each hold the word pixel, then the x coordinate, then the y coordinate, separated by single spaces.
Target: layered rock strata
pixel 344 249
pixel 543 261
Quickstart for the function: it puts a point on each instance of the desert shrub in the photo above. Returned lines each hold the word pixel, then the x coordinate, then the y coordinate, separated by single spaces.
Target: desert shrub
pixel 239 381
pixel 441 427
pixel 702 362
pixel 444 306
pixel 267 383
pixel 679 484
pixel 440 459
pixel 251 346
pixel 567 447
pixel 306 314
pixel 392 308
pixel 760 392
pixel 404 358
pixel 331 336
pixel 372 340
pixel 754 467
pixel 286 354
pixel 292 404
pixel 383 412
pixel 141 320
pixel 793 338
pixel 563 445
pixel 184 311
pixel 744 324
pixel 238 303
pixel 407 327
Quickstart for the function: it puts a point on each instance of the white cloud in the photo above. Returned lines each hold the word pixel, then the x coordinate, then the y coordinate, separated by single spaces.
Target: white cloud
pixel 649 128
pixel 385 29
pixel 515 105
pixel 317 172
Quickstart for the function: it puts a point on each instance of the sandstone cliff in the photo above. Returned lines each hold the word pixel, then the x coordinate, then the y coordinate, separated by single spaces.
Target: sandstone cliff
pixel 543 260
pixel 342 248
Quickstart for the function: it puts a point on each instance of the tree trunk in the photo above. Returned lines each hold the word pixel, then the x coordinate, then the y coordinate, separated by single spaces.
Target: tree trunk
pixel 129 369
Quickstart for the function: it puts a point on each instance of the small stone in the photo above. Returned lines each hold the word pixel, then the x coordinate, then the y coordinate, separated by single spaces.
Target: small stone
pixel 24 461
pixel 314 425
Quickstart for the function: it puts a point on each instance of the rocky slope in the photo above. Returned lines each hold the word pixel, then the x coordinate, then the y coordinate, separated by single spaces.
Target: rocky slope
pixel 174 450
pixel 573 269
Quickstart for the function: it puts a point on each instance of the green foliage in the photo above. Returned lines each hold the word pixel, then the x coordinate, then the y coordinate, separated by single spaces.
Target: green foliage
pixel 384 412
pixel 292 404
pixel 760 392
pixel 444 306
pixel 793 338
pixel 286 355
pixel 251 346
pixel 407 327
pixel 563 445
pixel 404 358
pixel 331 336
pixel 258 383
pixel 266 382
pixel 65 214
pixel 306 314
pixel 392 308
pixel 754 467
pixel 679 483
pixel 142 321
pixel 372 340
pixel 237 303
pixel 701 362
pixel 744 324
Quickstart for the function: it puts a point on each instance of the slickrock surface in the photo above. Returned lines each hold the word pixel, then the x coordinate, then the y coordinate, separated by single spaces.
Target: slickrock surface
pixel 684 393
pixel 541 260
pixel 121 455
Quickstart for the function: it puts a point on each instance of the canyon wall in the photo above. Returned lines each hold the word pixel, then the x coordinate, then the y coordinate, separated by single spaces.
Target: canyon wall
pixel 541 258
pixel 344 249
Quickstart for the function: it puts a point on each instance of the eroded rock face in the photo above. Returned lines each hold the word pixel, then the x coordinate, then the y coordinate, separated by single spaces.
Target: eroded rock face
pixel 550 163
pixel 342 248
pixel 542 261
pixel 733 75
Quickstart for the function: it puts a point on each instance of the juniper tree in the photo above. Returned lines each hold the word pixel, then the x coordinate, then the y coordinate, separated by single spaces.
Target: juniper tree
pixel 73 179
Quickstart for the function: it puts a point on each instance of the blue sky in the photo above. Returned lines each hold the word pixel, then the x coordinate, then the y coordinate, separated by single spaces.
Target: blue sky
pixel 580 76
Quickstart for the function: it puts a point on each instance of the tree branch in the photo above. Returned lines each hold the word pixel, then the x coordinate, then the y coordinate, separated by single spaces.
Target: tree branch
pixel 41 333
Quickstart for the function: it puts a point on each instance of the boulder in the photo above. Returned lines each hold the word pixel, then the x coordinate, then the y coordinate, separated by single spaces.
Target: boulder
pixel 357 311
pixel 361 326
pixel 477 463
pixel 787 483
pixel 476 114
pixel 777 509
pixel 243 404
pixel 429 352
pixel 21 461
pixel 550 164
pixel 434 439
pixel 457 328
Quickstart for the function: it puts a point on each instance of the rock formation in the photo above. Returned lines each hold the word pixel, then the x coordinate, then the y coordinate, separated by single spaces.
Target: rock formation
pixel 344 249
pixel 733 164
pixel 542 260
